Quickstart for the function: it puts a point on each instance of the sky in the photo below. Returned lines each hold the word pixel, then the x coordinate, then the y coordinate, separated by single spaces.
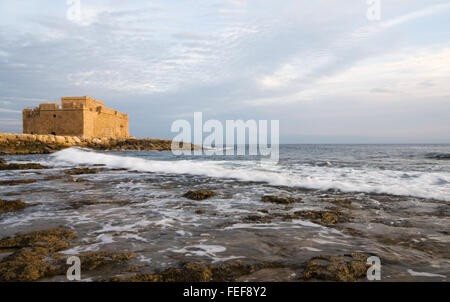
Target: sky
pixel 324 69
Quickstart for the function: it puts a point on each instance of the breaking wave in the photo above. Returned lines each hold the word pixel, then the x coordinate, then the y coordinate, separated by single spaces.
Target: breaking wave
pixel 434 185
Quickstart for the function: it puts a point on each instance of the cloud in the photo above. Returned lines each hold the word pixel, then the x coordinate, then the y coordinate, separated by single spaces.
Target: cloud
pixel 3 110
pixel 232 59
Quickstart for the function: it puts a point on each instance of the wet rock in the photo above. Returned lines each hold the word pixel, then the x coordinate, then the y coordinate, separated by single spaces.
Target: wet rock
pixel 200 212
pixel 12 205
pixel 347 268
pixel 33 260
pixel 52 239
pixel 22 166
pixel 270 275
pixel 189 272
pixel 195 272
pixel 79 171
pixel 199 194
pixel 2 162
pixel 281 200
pixel 12 194
pixel 320 217
pixel 341 202
pixel 394 223
pixel 77 179
pixel 37 256
pixel 229 271
pixel 16 182
pixel 94 260
pixel 258 219
pixel 78 204
pixel 26 265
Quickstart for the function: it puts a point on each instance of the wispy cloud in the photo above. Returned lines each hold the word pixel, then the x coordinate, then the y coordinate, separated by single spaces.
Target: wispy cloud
pixel 9 110
pixel 316 63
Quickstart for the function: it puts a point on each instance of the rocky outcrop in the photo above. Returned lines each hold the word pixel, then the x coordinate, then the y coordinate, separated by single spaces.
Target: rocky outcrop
pixel 30 166
pixel 281 200
pixel 198 272
pixel 36 255
pixel 199 194
pixel 12 205
pixel 347 268
pixel 44 144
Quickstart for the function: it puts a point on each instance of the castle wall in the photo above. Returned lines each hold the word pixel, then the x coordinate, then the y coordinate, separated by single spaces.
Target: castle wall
pixel 105 122
pixel 79 116
pixel 53 121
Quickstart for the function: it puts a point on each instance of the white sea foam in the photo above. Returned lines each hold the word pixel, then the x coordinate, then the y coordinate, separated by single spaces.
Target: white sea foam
pixel 424 274
pixel 420 184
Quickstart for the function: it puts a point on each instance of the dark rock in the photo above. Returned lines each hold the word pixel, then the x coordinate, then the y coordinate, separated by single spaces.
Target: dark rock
pixel 199 194
pixel 196 272
pixel 22 167
pixel 282 200
pixel 2 162
pixel 79 171
pixel 258 219
pixel 12 205
pixel 321 217
pixel 347 268
pixel 95 260
pixel 16 182
pixel 37 256
pixel 54 239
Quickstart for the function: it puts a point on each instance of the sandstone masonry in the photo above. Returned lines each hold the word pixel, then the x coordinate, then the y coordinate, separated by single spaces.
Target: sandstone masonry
pixel 78 116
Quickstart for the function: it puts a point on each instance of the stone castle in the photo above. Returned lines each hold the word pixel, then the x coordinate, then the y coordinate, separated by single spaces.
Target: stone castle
pixel 78 116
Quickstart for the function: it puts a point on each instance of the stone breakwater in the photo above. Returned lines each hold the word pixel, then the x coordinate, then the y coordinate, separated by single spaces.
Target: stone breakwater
pixel 43 144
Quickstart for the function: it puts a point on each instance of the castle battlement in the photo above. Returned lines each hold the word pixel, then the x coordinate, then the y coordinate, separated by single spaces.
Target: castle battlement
pixel 77 116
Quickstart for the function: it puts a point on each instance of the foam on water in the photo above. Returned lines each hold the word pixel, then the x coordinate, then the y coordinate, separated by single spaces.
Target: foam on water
pixel 434 185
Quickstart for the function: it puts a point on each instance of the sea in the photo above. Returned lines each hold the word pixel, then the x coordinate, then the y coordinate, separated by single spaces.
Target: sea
pixel 395 200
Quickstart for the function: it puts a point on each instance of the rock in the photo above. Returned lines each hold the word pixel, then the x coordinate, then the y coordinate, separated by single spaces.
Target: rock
pixel 38 256
pixel 22 166
pixel 281 200
pixel 347 268
pixel 189 272
pixel 16 182
pixel 94 260
pixel 2 162
pixel 54 239
pixel 199 194
pixel 321 217
pixel 258 219
pixel 60 140
pixel 79 171
pixel 196 272
pixel 43 144
pixel 26 265
pixel 12 205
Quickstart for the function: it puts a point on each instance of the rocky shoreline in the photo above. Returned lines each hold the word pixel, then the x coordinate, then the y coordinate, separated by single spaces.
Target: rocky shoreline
pixel 39 255
pixel 285 234
pixel 14 144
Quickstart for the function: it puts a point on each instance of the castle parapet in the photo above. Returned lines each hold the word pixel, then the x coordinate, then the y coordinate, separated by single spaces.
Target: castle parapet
pixel 49 106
